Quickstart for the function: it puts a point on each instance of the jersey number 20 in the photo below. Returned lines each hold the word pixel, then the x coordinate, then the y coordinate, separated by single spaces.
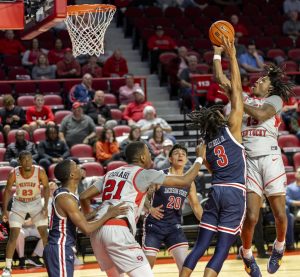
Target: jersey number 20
pixel 109 191
pixel 174 202
pixel 220 152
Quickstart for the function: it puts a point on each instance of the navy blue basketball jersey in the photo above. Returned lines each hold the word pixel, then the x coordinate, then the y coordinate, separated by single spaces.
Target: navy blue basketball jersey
pixel 61 229
pixel 226 158
pixel 172 199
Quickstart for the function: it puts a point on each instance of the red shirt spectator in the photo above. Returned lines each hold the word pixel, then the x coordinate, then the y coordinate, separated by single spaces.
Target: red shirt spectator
pixel 115 66
pixel 9 45
pixel 44 114
pixel 92 68
pixel 57 54
pixel 68 67
pixel 134 111
pixel 215 95
pixel 161 41
pixel 240 29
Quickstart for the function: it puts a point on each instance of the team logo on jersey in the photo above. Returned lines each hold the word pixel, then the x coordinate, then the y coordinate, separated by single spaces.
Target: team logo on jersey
pixel 140 258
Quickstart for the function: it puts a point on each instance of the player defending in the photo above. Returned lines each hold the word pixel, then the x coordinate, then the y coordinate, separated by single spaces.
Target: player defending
pixel 65 217
pixel 114 244
pixel 163 223
pixel 224 211
pixel 265 169
pixel 27 178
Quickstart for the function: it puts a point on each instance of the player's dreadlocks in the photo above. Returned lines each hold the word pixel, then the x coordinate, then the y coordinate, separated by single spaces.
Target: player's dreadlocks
pixel 278 86
pixel 208 121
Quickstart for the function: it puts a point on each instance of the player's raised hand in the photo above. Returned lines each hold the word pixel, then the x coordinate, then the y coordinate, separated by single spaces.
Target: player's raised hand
pixel 157 212
pixel 120 209
pixel 201 150
pixel 218 49
pixel 229 47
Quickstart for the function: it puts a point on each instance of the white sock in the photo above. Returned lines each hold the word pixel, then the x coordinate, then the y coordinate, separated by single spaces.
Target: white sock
pixel 8 263
pixel 279 245
pixel 247 253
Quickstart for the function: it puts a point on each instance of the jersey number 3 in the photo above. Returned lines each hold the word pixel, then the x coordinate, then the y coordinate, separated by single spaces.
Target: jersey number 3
pixel 220 152
pixel 110 192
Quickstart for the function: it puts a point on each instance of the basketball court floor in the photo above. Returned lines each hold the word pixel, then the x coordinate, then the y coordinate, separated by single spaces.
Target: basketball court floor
pixel 165 267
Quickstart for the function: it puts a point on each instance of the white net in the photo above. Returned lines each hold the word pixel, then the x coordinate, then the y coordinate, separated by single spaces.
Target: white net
pixel 87 28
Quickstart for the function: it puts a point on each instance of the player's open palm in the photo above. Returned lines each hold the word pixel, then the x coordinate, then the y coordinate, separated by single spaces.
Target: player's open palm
pixel 201 150
pixel 120 209
pixel 157 212
pixel 228 47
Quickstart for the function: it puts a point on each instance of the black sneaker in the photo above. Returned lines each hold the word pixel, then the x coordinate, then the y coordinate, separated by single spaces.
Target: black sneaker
pixel 22 262
pixel 35 261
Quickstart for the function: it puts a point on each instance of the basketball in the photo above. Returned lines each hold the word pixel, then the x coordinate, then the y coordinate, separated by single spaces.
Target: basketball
pixel 218 29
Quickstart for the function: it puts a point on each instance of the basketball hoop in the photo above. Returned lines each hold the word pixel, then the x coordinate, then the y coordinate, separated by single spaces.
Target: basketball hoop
pixel 87 25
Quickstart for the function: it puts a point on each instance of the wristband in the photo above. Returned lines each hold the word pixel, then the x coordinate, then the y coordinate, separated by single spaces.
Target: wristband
pixel 217 57
pixel 199 160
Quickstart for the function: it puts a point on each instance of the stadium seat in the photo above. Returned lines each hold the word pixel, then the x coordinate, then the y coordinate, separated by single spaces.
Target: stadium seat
pixel 68 85
pixel 162 21
pixel 110 100
pixel 99 130
pixel 250 9
pixel 275 52
pixel 121 130
pixel 2 153
pixel 294 54
pixel 192 33
pixel 115 84
pixel 54 101
pixel 39 135
pixel 93 169
pixel 100 85
pixel 2 141
pixel 5 89
pixel 264 43
pixel 51 175
pixel 296 91
pixel 152 12
pixel 202 45
pixel 290 177
pixel 115 164
pixel 172 32
pixel 229 10
pixel 289 143
pixel 272 30
pixel 4 171
pixel 173 12
pixel 25 101
pixel 202 22
pixel 11 136
pixel 208 57
pixel 284 43
pixel 285 159
pixel 116 114
pixel 296 160
pixel 83 152
pixel 59 115
pixel 2 74
pixel 212 12
pixel 28 88
pixel 290 66
pixel 18 73
pixel 192 12
pixel 12 60
pixel 49 87
pixel 203 67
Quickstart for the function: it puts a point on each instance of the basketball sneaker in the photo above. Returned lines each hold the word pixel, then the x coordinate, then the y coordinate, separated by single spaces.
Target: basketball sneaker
pixel 35 261
pixel 275 260
pixel 6 272
pixel 251 266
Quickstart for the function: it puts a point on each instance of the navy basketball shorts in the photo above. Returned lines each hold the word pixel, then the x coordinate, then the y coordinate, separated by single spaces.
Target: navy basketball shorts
pixel 225 209
pixel 59 260
pixel 156 234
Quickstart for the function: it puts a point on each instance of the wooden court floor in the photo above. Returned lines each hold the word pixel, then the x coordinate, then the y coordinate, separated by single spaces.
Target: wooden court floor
pixel 166 268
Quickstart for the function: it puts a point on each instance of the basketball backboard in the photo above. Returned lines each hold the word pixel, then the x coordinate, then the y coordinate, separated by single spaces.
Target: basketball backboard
pixel 11 15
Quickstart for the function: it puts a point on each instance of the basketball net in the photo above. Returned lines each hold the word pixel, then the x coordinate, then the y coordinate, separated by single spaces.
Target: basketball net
pixel 87 25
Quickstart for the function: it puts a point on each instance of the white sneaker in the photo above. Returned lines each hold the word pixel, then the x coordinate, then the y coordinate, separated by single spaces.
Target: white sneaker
pixel 77 261
pixel 6 272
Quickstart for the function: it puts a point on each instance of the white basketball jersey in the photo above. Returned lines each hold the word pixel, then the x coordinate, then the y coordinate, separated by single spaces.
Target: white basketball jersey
pixel 28 189
pixel 119 186
pixel 260 137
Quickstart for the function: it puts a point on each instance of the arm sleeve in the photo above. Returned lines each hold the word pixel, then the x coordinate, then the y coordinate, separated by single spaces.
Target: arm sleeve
pixel 275 101
pixel 147 177
pixel 99 183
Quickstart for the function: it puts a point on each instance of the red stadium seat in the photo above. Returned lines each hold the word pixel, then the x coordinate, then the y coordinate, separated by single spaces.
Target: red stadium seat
pixel 264 43
pixel 54 101
pixel 99 130
pixel 201 22
pixel 212 12
pixel 192 33
pixel 2 153
pixel 5 89
pixel 273 53
pixel 202 45
pixel 203 67
pixel 18 73
pixel 121 130
pixel 152 12
pixel 115 84
pixel 116 114
pixel 11 137
pixel 192 12
pixel 51 175
pixel 296 91
pixel 93 169
pixel 294 54
pixel 296 160
pixel 2 74
pixel 59 116
pixel 173 12
pixel 49 87
pixel 162 21
pixel 290 66
pixel 289 143
pixel 67 85
pixel 4 171
pixel 12 60
pixel 25 101
pixel 100 85
pixel 82 151
pixel 25 88
pixel 284 43
pixel 110 99
pixel 2 141
pixel 290 177
pixel 39 135
pixel 115 164
pixel 208 57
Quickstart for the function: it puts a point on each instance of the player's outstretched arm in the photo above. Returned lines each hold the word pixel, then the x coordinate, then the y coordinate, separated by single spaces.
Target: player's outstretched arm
pixel 70 207
pixel 194 202
pixel 7 193
pixel 46 190
pixel 190 175
pixel 85 198
pixel 262 113
pixel 236 99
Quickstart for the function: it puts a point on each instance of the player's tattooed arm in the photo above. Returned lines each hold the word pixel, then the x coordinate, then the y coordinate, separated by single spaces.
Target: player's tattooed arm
pixel 262 113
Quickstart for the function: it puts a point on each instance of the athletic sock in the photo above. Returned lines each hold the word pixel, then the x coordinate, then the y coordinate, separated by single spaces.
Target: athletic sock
pixel 279 246
pixel 247 253
pixel 8 263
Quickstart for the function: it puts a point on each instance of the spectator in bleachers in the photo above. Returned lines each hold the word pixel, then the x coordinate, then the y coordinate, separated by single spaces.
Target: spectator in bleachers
pixel 157 140
pixel 13 117
pixel 183 59
pixel 291 5
pixel 57 54
pixel 99 111
pixel 92 68
pixel 291 27
pixel 134 111
pixel 39 115
pixel 30 56
pixel 150 121
pixel 157 44
pixel 126 92
pixel 185 81
pixel 84 91
pixel 116 65
pixel 77 127
pixel 239 28
pixel 107 147
pixel 289 114
pixel 251 61
pixel 246 84
pixel 293 204
pixel 68 67
pixel 215 95
pixel 15 148
pixel 191 3
pixel 42 70
pixel 52 149
pixel 162 160
pixel 240 48
pixel 11 46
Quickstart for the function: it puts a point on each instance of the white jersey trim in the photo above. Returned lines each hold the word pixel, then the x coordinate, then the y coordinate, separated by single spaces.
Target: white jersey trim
pixel 60 193
pixel 233 138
